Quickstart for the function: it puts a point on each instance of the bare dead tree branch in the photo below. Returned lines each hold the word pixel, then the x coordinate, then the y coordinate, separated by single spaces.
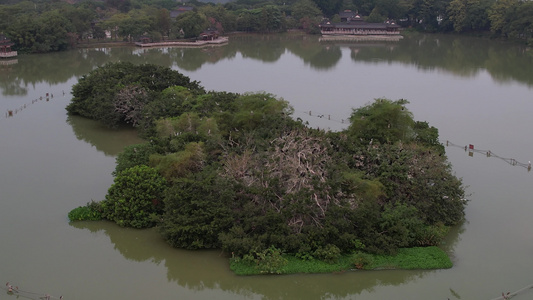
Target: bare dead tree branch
pixel 129 102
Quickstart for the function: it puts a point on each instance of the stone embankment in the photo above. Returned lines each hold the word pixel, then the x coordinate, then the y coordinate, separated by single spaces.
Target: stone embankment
pixel 198 43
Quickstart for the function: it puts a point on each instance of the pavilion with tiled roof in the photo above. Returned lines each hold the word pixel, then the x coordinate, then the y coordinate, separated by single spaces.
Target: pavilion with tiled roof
pixel 5 47
pixel 356 25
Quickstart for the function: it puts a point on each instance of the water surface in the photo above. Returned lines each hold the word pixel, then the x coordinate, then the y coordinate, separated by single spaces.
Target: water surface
pixel 475 91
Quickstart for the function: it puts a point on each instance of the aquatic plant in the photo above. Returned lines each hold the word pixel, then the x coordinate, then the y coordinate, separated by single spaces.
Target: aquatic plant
pixel 90 212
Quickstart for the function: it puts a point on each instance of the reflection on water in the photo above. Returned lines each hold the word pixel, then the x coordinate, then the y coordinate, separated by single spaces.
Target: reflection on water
pixel 52 163
pixel 107 140
pixel 453 238
pixel 206 270
pixel 462 56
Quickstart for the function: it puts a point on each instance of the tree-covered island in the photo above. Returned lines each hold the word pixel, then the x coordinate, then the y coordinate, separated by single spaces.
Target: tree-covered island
pixel 236 172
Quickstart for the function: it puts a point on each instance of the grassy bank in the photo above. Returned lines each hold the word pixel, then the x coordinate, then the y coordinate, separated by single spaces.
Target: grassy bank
pixel 406 259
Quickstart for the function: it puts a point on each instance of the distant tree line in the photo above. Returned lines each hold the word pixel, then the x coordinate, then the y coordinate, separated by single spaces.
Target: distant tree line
pixel 44 26
pixel 237 172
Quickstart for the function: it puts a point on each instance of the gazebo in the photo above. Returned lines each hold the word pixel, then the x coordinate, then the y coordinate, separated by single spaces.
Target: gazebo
pixel 209 35
pixel 5 47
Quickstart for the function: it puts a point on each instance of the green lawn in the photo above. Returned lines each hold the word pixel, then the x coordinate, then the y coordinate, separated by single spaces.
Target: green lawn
pixel 407 259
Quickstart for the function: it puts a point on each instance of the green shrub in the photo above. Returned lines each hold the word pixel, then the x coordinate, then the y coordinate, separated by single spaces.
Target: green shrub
pixel 135 197
pixel 134 155
pixel 269 261
pixel 328 253
pixel 89 212
pixel 362 260
pixel 432 235
pixel 196 212
pixel 180 164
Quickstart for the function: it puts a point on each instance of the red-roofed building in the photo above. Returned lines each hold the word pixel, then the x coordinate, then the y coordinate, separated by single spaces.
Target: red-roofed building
pixel 5 47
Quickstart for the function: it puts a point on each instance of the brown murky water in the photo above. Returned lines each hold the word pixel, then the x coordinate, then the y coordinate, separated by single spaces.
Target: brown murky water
pixel 475 91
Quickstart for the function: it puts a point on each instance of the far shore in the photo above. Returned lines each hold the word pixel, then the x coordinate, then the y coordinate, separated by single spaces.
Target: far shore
pixel 195 43
pixel 221 40
pixel 116 43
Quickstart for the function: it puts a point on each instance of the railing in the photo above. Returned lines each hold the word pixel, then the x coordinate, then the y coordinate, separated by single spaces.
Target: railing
pixel 8 54
pixel 360 32
pixel 471 150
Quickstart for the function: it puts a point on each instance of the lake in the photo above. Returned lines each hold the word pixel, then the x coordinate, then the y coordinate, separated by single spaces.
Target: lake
pixel 477 92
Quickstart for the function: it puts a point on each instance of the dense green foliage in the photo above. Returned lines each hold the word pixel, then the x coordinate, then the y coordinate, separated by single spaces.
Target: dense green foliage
pixel 90 212
pixel 236 172
pixel 271 261
pixel 122 92
pixel 43 26
pixel 195 213
pixel 134 155
pixel 135 198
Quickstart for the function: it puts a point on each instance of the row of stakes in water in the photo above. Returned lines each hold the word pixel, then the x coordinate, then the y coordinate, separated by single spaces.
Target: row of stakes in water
pixel 14 290
pixel 11 112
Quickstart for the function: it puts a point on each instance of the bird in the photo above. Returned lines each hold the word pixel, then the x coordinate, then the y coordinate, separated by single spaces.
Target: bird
pixel 506 296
